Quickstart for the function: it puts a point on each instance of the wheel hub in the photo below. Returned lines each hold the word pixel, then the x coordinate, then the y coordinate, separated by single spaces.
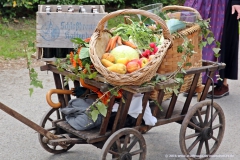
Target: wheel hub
pixel 207 133
pixel 126 156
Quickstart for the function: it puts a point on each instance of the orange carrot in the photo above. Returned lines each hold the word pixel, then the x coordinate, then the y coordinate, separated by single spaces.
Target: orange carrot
pixel 130 44
pixel 109 44
pixel 119 40
pixel 114 42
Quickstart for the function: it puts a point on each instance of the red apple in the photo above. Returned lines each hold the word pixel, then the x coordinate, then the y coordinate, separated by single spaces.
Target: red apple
pixel 133 65
pixel 143 62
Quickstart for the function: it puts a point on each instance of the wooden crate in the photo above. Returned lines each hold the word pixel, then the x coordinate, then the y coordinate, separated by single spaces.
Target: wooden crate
pixel 56 29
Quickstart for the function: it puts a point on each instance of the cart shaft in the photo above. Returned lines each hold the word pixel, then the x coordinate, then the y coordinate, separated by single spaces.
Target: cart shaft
pixel 28 122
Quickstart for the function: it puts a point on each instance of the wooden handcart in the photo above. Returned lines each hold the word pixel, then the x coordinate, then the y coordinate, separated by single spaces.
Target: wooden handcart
pixel 202 125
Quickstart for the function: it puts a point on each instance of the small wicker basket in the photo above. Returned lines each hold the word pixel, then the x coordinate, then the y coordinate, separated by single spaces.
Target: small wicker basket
pixel 169 63
pixel 99 41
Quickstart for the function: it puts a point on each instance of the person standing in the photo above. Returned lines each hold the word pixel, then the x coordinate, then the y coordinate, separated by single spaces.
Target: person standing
pixel 222 21
pixel 215 11
pixel 229 49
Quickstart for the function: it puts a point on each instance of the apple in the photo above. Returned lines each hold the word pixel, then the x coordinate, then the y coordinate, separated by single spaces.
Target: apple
pixel 143 62
pixel 123 61
pixel 133 65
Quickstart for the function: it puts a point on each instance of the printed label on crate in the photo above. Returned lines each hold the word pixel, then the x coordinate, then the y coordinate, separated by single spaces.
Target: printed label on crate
pixel 57 29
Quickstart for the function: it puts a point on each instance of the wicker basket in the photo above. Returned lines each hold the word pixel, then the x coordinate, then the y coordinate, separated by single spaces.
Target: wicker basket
pixel 99 41
pixel 169 63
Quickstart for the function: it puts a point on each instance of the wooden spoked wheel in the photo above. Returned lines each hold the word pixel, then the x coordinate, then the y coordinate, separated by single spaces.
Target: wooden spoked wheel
pixel 47 123
pixel 124 144
pixel 202 130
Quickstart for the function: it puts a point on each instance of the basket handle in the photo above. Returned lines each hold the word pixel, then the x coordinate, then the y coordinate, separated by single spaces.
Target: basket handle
pixel 177 7
pixel 157 19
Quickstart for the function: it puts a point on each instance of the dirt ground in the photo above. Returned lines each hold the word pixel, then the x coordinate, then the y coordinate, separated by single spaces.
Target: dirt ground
pixel 18 63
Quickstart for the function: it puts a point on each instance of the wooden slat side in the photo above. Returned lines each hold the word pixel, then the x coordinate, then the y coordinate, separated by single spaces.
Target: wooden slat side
pixel 144 105
pixel 159 101
pixel 171 106
pixel 117 117
pixel 128 98
pixel 106 119
pixel 207 85
pixel 190 94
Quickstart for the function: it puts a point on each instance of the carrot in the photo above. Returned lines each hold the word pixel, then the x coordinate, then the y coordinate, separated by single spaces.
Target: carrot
pixel 114 42
pixel 130 44
pixel 119 40
pixel 109 44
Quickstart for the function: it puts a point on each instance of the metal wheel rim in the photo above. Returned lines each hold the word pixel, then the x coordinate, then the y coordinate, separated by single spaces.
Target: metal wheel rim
pixel 47 147
pixel 218 113
pixel 114 140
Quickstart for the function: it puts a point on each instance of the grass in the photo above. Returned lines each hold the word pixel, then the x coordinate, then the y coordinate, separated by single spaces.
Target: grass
pixel 15 38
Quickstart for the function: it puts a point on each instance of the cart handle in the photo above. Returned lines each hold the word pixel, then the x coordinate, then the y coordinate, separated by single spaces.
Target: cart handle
pixel 56 91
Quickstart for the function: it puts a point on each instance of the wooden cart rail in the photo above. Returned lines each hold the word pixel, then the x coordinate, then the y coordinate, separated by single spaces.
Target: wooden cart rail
pixel 60 133
pixel 169 115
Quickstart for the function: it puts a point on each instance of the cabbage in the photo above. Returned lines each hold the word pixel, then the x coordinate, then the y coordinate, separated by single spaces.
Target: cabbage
pixel 124 51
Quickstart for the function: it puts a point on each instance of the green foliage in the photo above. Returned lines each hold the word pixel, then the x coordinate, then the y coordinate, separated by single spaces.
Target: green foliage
pixel 34 81
pixel 137 32
pixel 208 37
pixel 98 107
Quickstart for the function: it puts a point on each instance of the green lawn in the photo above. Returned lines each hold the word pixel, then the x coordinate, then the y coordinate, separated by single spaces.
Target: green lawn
pixel 15 38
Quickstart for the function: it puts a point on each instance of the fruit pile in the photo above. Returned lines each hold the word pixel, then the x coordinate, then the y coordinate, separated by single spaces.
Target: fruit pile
pixel 123 57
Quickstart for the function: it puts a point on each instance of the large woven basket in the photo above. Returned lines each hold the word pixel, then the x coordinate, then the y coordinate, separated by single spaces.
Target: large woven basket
pixel 99 41
pixel 172 57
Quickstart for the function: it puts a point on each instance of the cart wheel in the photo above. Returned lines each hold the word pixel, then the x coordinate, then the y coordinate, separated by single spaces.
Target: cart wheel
pixel 198 138
pixel 124 144
pixel 46 123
